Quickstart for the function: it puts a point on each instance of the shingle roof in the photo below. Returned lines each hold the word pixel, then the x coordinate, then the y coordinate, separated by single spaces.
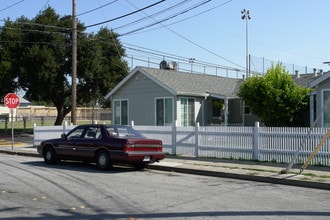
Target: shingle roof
pixel 320 78
pixel 192 83
pixel 304 79
pixel 184 83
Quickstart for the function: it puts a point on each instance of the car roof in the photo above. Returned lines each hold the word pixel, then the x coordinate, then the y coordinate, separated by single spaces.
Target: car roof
pixel 107 125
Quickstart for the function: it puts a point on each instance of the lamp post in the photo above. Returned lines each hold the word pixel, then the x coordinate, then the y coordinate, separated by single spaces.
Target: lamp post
pixel 74 65
pixel 246 17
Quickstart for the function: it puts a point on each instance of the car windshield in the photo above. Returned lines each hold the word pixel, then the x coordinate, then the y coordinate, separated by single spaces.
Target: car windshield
pixel 123 132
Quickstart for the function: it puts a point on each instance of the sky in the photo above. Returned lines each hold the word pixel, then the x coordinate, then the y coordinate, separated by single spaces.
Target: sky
pixel 204 35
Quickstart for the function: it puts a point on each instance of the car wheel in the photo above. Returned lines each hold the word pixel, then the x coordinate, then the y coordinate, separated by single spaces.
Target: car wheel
pixel 50 155
pixel 103 160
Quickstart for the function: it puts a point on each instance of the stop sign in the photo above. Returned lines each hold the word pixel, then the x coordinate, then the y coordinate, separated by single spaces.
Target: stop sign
pixel 11 100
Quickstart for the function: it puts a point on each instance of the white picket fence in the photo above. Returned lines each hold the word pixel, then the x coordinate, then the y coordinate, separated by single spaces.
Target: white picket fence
pixel 273 144
pixel 41 133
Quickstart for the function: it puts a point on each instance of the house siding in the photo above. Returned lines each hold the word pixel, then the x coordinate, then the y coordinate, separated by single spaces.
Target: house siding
pixel 141 92
pixel 320 84
pixel 143 86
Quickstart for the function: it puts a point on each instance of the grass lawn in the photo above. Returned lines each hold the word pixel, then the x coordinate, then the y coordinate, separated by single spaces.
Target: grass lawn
pixel 27 127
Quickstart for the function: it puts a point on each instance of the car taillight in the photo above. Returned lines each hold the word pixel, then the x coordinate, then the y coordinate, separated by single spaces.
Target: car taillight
pixel 139 146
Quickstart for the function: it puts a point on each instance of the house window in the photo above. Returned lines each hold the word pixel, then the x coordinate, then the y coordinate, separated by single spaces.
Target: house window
pixel 247 110
pixel 187 106
pixel 164 111
pixel 326 114
pixel 121 112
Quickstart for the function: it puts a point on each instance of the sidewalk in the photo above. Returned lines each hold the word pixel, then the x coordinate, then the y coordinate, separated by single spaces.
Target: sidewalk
pixel 313 177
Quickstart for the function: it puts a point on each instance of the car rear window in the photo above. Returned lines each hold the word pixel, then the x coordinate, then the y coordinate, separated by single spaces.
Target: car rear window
pixel 123 132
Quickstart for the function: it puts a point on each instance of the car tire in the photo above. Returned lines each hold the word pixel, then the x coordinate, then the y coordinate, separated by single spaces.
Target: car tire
pixel 50 155
pixel 103 160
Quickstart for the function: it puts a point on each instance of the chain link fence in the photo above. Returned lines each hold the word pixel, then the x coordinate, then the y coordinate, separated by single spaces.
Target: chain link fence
pixel 261 65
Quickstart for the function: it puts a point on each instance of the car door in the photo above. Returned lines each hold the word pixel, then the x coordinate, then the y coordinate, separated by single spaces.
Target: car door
pixel 68 147
pixel 88 143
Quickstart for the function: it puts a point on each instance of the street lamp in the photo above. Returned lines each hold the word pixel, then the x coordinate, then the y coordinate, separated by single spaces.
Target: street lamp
pixel 246 17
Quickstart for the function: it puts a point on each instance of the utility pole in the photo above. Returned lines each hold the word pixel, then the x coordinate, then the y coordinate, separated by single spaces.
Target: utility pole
pixel 74 65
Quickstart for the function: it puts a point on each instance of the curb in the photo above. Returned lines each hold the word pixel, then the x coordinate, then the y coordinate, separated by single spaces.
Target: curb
pixel 300 183
pixel 21 153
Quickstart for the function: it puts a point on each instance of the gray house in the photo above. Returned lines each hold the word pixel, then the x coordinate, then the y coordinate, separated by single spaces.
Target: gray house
pixel 319 99
pixel 150 96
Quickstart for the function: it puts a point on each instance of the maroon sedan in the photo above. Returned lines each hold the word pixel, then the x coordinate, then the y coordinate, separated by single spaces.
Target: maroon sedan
pixel 104 144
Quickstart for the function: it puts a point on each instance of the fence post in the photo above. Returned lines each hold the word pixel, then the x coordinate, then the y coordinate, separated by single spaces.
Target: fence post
pixel 196 139
pixel 34 134
pixel 6 123
pixel 24 123
pixel 64 126
pixel 174 138
pixel 255 141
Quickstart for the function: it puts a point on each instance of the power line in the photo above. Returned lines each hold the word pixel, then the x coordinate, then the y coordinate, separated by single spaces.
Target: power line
pixel 171 56
pixel 167 18
pixel 177 14
pixel 11 5
pixel 190 41
pixel 44 6
pixel 102 6
pixel 153 15
pixel 187 18
pixel 39 25
pixel 134 12
pixel 35 30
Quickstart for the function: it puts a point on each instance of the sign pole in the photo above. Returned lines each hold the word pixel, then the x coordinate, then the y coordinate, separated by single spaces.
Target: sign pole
pixel 11 100
pixel 12 129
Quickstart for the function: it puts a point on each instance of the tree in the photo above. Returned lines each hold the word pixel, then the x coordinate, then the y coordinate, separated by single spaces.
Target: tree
pixel 36 57
pixel 275 98
pixel 95 74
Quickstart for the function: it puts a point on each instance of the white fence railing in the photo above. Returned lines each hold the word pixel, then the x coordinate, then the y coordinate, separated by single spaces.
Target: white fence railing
pixel 41 133
pixel 273 144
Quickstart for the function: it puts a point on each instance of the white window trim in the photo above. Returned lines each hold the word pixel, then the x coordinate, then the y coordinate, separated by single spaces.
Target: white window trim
pixel 242 108
pixel 113 111
pixel 322 105
pixel 179 108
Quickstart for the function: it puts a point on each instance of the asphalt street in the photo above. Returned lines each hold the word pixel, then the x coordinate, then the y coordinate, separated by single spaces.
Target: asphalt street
pixel 313 177
pixel 31 189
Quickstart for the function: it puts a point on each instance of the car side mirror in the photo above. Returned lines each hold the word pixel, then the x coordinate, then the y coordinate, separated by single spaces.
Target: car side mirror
pixel 63 136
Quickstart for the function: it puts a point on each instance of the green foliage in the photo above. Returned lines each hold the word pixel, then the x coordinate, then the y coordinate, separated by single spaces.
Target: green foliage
pixel 275 98
pixel 101 66
pixel 35 55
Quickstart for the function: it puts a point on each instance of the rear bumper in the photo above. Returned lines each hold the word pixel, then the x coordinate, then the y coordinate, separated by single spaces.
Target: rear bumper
pixel 134 157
